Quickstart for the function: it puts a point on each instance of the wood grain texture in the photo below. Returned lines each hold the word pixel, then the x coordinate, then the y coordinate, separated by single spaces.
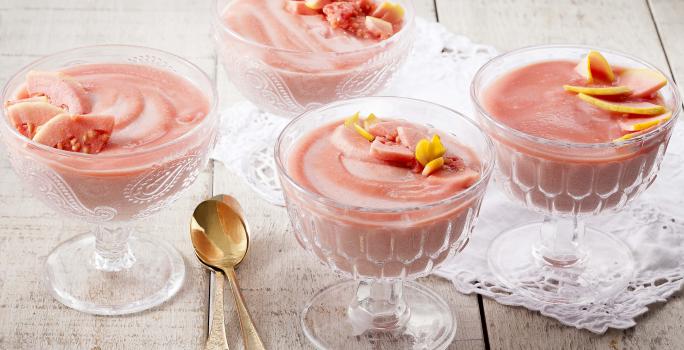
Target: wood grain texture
pixel 29 317
pixel 621 25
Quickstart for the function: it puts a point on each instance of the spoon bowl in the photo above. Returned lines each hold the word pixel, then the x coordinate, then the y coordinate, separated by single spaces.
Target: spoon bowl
pixel 221 240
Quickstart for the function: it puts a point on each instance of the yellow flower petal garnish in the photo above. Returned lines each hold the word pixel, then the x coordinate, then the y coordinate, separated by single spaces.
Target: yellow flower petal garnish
pixel 627 136
pixel 433 166
pixel 430 154
pixel 423 154
pixel 368 136
pixel 370 120
pixel 437 149
pixel 351 120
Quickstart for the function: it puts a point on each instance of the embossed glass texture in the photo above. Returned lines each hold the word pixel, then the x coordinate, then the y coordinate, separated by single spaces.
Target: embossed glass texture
pixel 382 250
pixel 110 192
pixel 287 83
pixel 558 260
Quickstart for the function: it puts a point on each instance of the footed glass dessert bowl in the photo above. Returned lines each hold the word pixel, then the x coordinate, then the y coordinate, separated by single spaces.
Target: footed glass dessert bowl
pixel 382 199
pixel 109 135
pixel 578 133
pixel 287 58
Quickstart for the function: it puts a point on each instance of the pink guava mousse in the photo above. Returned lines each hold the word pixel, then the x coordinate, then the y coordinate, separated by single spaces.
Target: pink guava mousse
pixel 287 58
pixel 139 117
pixel 566 179
pixel 383 176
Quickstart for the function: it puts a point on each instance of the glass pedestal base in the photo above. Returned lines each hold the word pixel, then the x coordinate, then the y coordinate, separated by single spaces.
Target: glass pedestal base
pixel 605 270
pixel 428 322
pixel 153 273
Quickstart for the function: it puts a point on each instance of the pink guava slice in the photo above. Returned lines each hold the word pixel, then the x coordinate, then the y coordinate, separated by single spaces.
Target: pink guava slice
pixel 300 8
pixel 389 129
pixel 77 133
pixel 62 90
pixel 389 151
pixel 28 116
pixel 28 99
pixel 410 136
pixel 643 82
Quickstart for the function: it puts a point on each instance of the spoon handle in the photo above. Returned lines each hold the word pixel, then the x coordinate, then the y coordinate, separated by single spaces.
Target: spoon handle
pixel 217 333
pixel 249 333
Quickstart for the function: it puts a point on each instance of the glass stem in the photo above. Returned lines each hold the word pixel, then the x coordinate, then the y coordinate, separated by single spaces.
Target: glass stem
pixel 112 252
pixel 378 305
pixel 560 244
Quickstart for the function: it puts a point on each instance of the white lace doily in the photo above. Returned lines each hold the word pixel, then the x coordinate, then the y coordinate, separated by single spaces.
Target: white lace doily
pixel 440 69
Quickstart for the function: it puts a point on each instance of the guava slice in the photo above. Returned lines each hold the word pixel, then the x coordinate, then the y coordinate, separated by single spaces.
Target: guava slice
pixel 638 124
pixel 599 91
pixel 593 66
pixel 390 12
pixel 62 90
pixel 386 150
pixel 77 133
pixel 28 99
pixel 28 116
pixel 643 82
pixel 300 8
pixel 644 108
pixel 410 137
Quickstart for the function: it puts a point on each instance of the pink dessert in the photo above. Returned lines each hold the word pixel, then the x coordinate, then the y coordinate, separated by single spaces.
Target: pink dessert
pixel 119 132
pixel 384 165
pixel 287 56
pixel 574 106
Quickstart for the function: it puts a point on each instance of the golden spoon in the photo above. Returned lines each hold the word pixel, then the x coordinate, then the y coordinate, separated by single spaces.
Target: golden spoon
pixel 221 240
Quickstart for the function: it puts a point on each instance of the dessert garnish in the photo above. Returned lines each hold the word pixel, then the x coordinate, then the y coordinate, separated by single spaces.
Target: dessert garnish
pixel 643 82
pixel 646 108
pixel 622 91
pixel 56 114
pixel 638 124
pixel 593 66
pixel 599 91
pixel 361 18
pixel 402 144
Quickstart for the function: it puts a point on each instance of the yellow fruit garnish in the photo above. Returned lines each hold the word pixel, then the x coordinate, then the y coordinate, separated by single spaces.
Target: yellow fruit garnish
pixel 433 166
pixel 627 136
pixel 437 149
pixel 638 124
pixel 368 136
pixel 351 120
pixel 423 155
pixel 430 154
pixel 594 62
pixel 599 91
pixel 624 107
pixel 370 120
pixel 389 11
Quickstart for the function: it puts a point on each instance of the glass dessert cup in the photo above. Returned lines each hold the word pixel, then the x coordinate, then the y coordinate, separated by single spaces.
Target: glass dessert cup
pixel 559 260
pixel 382 250
pixel 110 270
pixel 286 83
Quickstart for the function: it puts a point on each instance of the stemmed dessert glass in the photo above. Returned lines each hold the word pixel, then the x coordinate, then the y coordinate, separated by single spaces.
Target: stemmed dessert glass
pixel 110 270
pixel 560 260
pixel 285 83
pixel 382 250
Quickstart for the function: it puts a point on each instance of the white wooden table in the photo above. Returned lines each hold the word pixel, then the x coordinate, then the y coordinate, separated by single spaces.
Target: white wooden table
pixel 278 277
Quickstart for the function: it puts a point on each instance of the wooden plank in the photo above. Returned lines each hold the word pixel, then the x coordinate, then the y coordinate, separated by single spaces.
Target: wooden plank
pixel 30 317
pixel 620 25
pixel 668 18
pixel 43 31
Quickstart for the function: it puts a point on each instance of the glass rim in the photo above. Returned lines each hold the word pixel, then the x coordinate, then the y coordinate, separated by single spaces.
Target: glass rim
pixel 213 104
pixel 481 182
pixel 568 144
pixel 408 23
